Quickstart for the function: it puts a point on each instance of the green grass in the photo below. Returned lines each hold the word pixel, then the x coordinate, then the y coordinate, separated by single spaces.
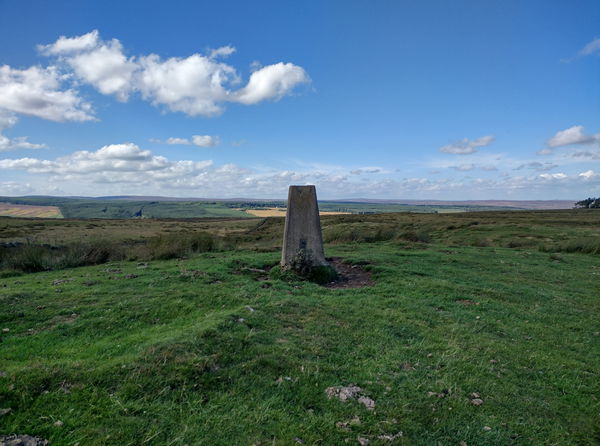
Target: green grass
pixel 207 350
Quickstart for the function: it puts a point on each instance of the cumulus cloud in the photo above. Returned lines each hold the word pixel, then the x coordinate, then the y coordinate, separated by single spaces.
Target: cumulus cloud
pixel 194 85
pixel 37 91
pixel 572 135
pixel 466 146
pixel 112 163
pixel 67 45
pixel 271 83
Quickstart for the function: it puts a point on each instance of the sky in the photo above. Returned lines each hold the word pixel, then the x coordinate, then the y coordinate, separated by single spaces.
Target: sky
pixel 462 100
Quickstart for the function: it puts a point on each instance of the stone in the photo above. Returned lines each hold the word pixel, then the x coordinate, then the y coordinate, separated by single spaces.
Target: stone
pixel 302 239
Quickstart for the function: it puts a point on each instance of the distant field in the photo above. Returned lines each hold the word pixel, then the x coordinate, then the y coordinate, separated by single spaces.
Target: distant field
pixel 25 210
pixel 106 208
pixel 280 212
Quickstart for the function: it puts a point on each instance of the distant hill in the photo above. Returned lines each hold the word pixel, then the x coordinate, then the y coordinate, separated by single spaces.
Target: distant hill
pixel 129 206
pixel 517 204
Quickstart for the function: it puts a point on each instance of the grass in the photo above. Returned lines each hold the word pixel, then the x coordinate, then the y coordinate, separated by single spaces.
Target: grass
pixel 207 350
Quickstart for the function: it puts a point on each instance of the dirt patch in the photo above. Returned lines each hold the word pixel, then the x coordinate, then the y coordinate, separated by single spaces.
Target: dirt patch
pixel 22 440
pixel 349 276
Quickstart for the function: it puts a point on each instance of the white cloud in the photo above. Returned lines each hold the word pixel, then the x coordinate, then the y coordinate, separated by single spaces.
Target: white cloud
pixel 66 45
pixel 195 85
pixel 570 136
pixel 197 140
pixel 271 83
pixel 106 68
pixel 115 162
pixel 36 91
pixel 590 48
pixel 8 120
pixel 553 176
pixel 224 51
pixel 588 174
pixel 205 140
pixel 466 146
pixel 178 141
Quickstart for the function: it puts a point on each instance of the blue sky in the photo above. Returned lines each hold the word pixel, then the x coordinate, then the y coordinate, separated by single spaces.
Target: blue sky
pixel 375 99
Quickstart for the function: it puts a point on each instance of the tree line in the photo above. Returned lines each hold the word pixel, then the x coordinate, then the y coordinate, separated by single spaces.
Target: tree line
pixel 589 203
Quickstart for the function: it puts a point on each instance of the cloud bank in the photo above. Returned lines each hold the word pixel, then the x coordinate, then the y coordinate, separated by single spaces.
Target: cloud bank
pixel 197 85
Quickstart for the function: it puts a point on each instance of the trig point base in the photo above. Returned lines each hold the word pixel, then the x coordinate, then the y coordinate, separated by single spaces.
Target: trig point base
pixel 302 240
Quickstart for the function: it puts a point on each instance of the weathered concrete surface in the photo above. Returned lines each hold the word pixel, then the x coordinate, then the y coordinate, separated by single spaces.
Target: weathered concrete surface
pixel 302 238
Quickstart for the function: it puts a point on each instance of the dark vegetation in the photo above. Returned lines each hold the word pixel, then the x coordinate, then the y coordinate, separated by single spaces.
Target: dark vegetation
pixel 589 203
pixel 476 329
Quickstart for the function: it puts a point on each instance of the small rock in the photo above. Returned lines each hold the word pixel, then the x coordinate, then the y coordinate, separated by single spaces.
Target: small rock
pixel 476 402
pixel 299 440
pixel 343 393
pixel 367 402
pixel 430 355
pixel 5 330
pixel 475 395
pixel 487 428
pixel 389 437
pixel 363 441
pixel 5 411
pixel 58 423
pixel 250 309
pixel 463 443
pixel 22 440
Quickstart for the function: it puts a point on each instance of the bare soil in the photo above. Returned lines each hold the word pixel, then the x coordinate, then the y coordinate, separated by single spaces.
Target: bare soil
pixel 349 276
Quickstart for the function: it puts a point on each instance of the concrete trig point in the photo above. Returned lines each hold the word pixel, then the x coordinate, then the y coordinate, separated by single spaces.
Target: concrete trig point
pixel 302 239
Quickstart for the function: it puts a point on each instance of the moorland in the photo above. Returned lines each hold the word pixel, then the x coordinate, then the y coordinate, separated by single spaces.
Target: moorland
pixel 470 329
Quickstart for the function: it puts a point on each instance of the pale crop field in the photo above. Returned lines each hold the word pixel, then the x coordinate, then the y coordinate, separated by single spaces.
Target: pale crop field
pixel 280 212
pixel 27 210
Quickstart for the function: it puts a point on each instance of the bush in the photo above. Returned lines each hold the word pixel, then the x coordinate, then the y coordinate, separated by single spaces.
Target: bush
pixel 28 258
pixel 179 245
pixel 581 245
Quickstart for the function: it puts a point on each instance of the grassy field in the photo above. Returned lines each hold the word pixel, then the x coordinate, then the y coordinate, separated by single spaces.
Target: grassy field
pixel 478 329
